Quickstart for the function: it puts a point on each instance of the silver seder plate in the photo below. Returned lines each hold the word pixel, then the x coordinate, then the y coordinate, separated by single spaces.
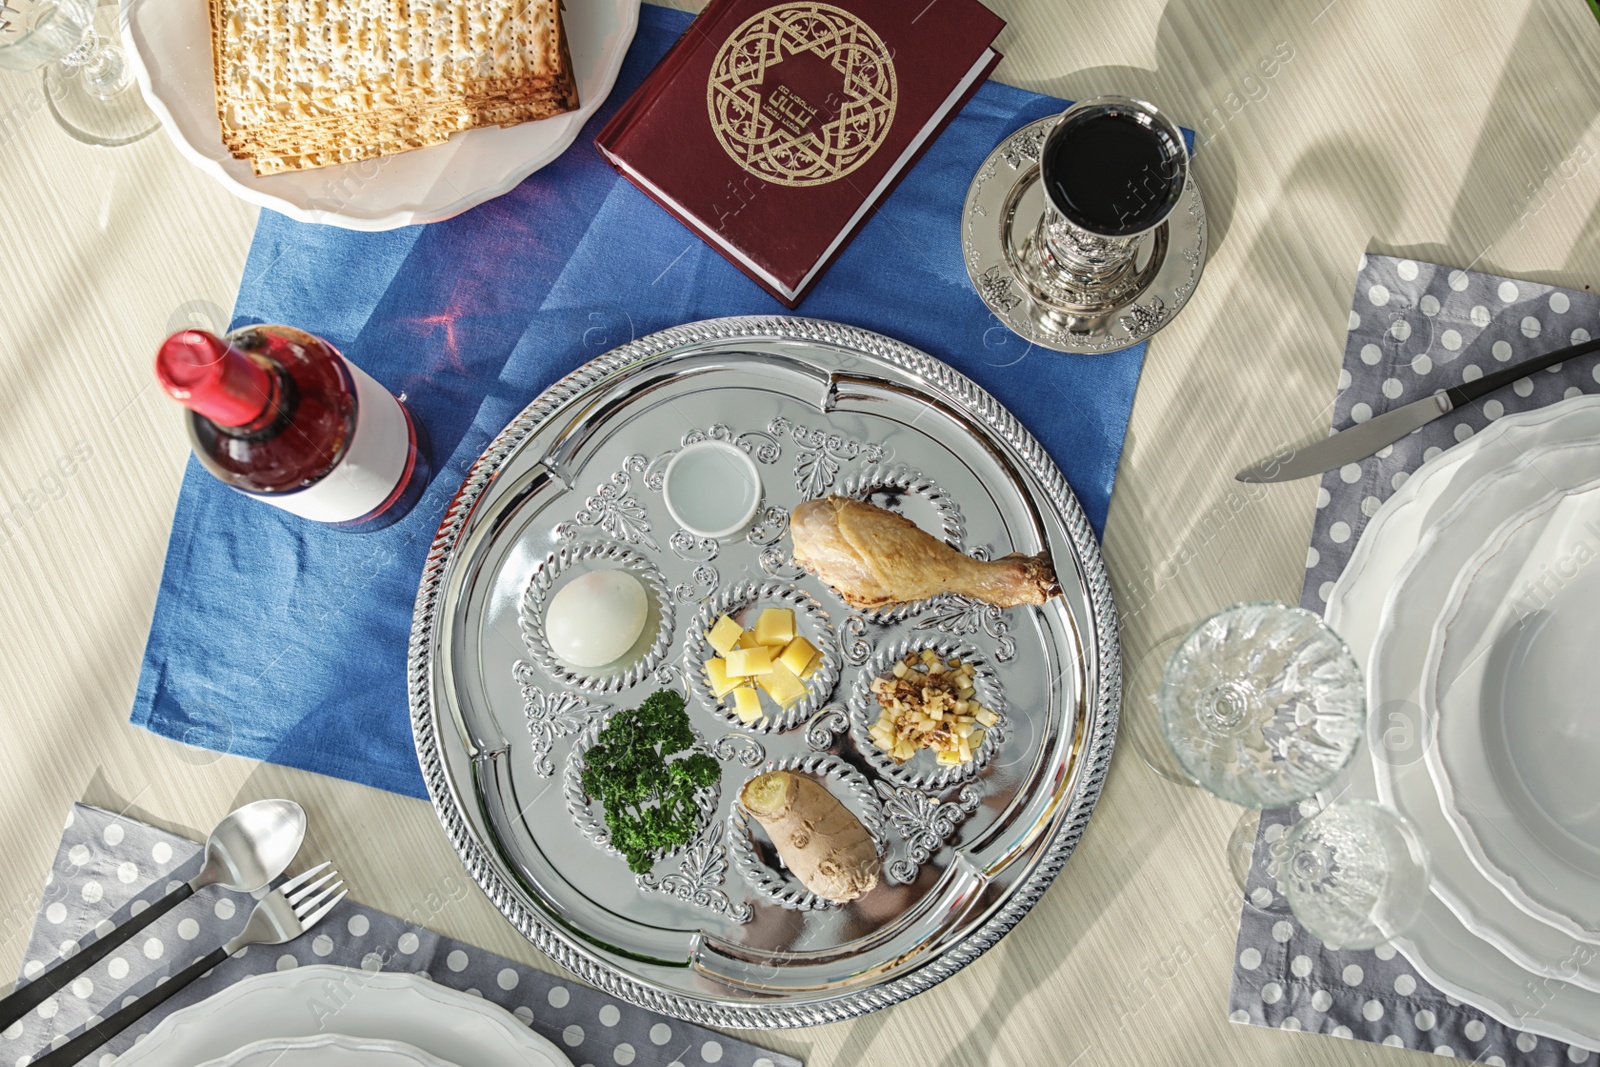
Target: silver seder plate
pixel 719 932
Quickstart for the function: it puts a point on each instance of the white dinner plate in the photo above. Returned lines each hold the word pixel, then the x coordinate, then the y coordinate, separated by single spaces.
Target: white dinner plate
pixel 1445 948
pixel 1396 672
pixel 1512 677
pixel 307 1001
pixel 328 1050
pixel 169 47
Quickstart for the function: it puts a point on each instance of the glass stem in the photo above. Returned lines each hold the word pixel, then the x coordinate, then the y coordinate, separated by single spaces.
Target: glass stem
pixel 100 64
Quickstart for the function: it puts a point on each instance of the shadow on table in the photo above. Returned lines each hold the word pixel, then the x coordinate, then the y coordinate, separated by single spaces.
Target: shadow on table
pixel 1215 67
pixel 1352 178
pixel 1530 151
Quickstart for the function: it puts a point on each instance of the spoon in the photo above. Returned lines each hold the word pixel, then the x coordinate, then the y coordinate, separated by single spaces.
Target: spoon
pixel 247 850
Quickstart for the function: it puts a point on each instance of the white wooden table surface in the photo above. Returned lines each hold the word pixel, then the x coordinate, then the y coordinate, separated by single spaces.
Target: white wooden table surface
pixel 1449 132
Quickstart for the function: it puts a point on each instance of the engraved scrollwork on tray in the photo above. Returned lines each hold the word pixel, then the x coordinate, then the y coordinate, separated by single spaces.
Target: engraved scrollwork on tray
pixel 761 447
pixel 824 726
pixel 655 472
pixel 701 584
pixel 770 526
pixel 821 455
pixel 541 588
pixel 590 823
pixel 780 564
pixel 614 510
pixel 742 749
pixel 962 616
pixel 687 546
pixel 699 878
pixel 668 676
pixel 849 786
pixel 923 821
pixel 900 480
pixel 853 643
pixel 551 715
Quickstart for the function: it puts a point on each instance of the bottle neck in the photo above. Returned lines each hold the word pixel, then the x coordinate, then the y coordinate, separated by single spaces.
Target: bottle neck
pixel 243 394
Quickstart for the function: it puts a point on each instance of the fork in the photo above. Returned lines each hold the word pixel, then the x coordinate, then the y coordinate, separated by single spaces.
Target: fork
pixel 283 915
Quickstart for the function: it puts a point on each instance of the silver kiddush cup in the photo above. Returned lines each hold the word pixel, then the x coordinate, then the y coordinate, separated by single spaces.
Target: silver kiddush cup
pixel 1086 232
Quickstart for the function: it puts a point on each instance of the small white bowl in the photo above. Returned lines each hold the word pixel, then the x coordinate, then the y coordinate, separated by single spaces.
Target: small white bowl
pixel 712 489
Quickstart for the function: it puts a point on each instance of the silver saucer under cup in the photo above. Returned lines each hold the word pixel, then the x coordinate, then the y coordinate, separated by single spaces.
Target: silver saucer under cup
pixel 1068 282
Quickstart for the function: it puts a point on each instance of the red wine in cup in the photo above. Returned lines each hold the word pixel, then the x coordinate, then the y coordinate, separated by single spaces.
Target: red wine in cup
pixel 1112 174
pixel 281 416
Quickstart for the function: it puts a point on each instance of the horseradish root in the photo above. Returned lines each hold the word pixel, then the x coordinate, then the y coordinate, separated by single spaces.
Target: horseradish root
pixel 819 839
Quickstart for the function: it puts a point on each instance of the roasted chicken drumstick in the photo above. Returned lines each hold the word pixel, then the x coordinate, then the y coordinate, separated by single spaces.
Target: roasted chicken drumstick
pixel 875 559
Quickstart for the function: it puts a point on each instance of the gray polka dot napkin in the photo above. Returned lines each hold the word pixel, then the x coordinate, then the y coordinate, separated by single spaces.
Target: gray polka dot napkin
pixel 109 867
pixel 1415 328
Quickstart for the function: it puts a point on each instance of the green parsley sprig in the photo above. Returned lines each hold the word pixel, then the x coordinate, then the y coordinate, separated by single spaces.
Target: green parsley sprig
pixel 648 795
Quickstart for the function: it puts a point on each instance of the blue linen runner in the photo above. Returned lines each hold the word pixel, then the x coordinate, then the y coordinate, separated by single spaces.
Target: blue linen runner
pixel 279 640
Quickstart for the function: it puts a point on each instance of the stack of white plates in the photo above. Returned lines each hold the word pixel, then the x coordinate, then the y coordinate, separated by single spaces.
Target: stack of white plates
pixel 1473 599
pixel 337 1017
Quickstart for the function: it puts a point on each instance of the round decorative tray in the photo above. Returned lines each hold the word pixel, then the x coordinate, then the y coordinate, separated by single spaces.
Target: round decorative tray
pixel 718 932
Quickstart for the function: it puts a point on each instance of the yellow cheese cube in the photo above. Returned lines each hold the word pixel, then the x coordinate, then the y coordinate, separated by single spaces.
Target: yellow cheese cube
pixel 724 636
pixel 745 662
pixel 797 655
pixel 775 627
pixel 747 704
pixel 717 673
pixel 782 685
pixel 747 639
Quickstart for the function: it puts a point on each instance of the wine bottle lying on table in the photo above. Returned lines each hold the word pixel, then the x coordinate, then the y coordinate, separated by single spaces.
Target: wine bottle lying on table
pixel 281 416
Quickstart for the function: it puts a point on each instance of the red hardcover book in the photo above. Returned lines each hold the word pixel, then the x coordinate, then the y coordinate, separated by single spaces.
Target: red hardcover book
pixel 774 130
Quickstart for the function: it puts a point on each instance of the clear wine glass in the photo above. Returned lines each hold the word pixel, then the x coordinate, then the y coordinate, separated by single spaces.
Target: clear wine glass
pixel 1261 704
pixel 87 81
pixel 1355 874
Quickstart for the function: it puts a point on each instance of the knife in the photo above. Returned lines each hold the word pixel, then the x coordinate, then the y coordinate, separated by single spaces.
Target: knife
pixel 1362 440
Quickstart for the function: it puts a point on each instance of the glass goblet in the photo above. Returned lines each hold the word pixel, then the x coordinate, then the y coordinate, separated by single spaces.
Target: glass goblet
pixel 1355 874
pixel 1262 705
pixel 87 81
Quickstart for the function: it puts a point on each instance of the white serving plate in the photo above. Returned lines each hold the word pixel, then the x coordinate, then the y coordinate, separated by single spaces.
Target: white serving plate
pixel 406 1008
pixel 1511 682
pixel 169 46
pixel 328 1050
pixel 1448 949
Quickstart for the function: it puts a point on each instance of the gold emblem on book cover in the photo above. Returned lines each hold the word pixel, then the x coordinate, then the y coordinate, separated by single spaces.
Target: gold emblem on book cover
pixel 802 94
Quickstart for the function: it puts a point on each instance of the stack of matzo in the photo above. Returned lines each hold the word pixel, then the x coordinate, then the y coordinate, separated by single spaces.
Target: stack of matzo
pixel 308 83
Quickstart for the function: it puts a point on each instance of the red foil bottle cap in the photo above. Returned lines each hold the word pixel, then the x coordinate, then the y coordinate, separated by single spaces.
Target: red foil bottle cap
pixel 213 378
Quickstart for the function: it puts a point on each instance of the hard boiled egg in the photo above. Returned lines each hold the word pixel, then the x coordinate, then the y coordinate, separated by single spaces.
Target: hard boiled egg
pixel 595 618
